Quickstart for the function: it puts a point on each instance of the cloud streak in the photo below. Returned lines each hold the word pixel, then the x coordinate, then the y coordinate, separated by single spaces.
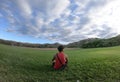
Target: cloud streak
pixel 62 20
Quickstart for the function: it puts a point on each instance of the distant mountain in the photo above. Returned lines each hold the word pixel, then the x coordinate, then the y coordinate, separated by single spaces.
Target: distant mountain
pixel 21 44
pixel 96 42
pixel 81 42
pixel 86 43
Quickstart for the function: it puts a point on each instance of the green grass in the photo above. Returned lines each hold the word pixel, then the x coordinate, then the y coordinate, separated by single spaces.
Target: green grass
pixel 19 64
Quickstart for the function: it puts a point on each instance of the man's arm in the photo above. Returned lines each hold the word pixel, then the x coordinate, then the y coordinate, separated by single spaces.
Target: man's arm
pixel 54 57
pixel 66 57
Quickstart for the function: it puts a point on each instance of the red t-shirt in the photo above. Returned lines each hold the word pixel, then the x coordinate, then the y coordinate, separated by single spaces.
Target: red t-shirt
pixel 57 62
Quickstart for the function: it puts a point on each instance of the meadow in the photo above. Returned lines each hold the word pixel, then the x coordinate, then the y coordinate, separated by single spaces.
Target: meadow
pixel 20 64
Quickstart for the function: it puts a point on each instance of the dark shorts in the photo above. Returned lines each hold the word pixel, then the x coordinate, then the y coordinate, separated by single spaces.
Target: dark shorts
pixel 62 67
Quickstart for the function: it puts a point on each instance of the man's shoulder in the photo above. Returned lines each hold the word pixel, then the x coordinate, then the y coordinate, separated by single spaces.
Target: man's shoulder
pixel 61 53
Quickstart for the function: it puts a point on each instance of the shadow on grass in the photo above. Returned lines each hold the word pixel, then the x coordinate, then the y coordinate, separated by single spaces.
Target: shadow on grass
pixel 40 68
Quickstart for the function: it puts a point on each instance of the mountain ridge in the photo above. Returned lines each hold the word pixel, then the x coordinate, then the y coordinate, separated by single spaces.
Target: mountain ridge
pixel 85 43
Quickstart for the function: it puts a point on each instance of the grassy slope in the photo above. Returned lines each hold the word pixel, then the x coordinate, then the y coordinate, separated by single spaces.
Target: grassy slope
pixel 33 65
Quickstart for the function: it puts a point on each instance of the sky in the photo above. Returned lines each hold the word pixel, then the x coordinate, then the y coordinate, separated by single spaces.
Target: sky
pixel 61 21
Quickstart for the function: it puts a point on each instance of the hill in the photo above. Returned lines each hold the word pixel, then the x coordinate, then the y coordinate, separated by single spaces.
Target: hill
pixel 96 42
pixel 20 64
pixel 21 44
pixel 86 43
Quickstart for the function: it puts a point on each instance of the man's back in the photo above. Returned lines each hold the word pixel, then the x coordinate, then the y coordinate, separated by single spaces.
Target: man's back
pixel 60 60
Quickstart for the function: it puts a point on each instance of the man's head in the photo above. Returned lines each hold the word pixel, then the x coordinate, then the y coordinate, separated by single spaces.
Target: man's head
pixel 60 48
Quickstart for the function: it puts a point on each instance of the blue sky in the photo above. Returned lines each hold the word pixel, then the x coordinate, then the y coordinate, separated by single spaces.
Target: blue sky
pixel 63 21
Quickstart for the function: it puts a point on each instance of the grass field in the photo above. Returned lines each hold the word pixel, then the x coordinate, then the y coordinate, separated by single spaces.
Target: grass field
pixel 19 64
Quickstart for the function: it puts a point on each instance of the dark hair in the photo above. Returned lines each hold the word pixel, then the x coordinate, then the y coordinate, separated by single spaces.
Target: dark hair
pixel 60 48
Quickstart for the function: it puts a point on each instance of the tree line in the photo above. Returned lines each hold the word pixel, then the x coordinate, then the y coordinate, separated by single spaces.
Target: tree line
pixel 21 44
pixel 96 42
pixel 86 43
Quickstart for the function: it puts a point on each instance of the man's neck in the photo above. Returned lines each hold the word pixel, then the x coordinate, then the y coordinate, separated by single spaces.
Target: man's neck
pixel 61 52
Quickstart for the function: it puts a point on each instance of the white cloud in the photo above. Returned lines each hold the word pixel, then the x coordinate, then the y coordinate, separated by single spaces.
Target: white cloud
pixel 39 22
pixel 24 7
pixel 108 15
pixel 1 15
pixel 55 8
pixel 62 20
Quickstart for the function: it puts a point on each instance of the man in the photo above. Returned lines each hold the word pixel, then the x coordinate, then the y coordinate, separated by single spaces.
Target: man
pixel 60 60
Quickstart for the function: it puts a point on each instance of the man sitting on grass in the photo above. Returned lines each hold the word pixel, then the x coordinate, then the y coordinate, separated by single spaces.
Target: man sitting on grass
pixel 60 60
